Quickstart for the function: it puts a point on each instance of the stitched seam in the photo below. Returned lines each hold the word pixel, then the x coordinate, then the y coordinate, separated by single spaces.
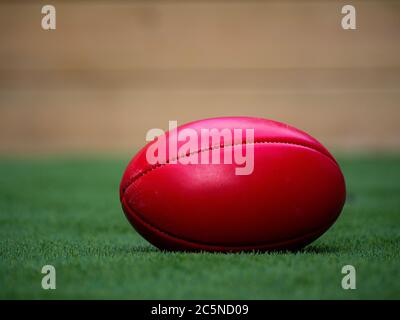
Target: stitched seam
pixel 159 165
pixel 136 215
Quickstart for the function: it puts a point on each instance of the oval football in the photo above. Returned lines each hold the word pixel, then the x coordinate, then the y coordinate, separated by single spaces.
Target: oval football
pixel 294 193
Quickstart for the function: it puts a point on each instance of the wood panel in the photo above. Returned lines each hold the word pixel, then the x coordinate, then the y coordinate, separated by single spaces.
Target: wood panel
pixel 114 69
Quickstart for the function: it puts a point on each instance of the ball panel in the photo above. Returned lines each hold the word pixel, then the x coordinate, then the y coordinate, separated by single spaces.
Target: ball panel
pixel 264 130
pixel 293 191
pixel 164 241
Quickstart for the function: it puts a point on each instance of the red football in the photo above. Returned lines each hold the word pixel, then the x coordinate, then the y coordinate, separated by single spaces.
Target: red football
pixel 291 192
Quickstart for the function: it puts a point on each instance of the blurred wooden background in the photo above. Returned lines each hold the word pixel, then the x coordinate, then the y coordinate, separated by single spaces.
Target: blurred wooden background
pixel 114 69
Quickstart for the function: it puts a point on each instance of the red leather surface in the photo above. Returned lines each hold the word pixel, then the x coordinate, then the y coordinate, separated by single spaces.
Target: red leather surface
pixel 294 194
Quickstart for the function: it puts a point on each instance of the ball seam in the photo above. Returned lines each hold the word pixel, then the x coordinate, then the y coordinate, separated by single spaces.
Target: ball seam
pixel 158 165
pixel 134 213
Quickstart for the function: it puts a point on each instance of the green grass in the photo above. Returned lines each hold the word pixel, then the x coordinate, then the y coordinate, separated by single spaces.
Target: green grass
pixel 66 212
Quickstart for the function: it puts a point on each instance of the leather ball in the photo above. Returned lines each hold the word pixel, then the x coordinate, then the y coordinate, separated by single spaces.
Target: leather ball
pixel 295 192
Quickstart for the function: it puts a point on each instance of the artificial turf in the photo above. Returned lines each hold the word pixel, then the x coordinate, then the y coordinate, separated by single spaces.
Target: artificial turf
pixel 66 212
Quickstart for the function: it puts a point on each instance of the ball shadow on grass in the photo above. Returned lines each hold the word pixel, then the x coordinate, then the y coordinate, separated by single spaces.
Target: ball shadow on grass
pixel 311 249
